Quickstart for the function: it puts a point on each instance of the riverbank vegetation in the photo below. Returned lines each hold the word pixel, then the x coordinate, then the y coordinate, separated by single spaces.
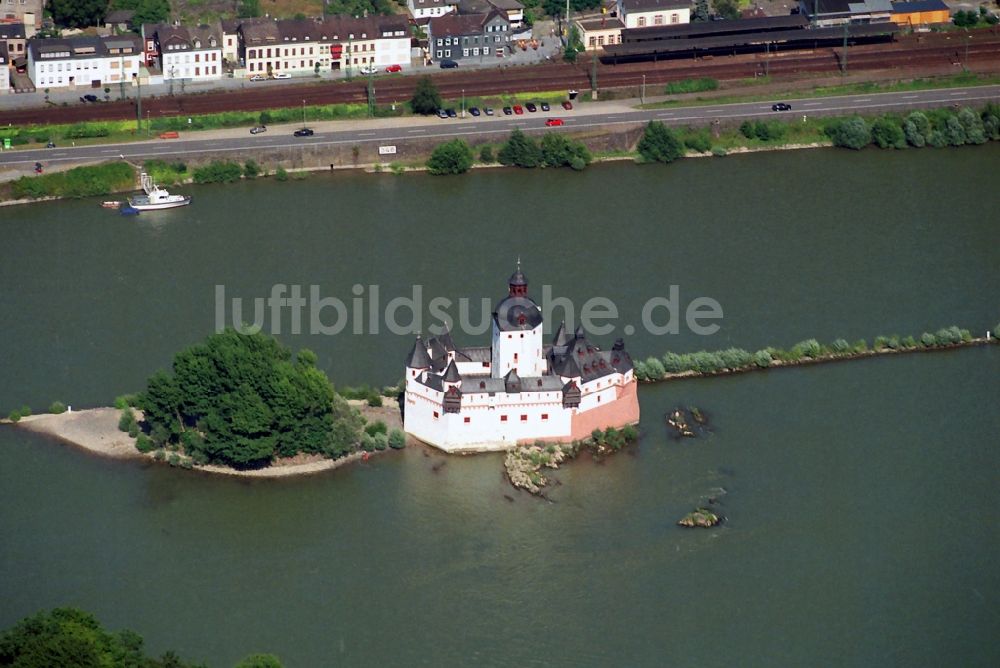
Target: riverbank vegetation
pixel 731 360
pixel 452 157
pixel 241 400
pixel 77 182
pixel 554 150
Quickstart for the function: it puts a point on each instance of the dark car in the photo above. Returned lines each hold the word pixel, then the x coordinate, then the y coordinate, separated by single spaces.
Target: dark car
pixel 303 132
pixel 442 113
pixel 781 106
pixel 448 64
pixel 531 107
pixel 474 111
pixel 451 113
pixel 567 105
pixel 507 111
pixel 51 144
pixel 88 98
pixel 257 129
pixel 544 106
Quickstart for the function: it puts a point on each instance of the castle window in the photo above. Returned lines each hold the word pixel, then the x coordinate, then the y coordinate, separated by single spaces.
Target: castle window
pixel 522 336
pixel 524 418
pixel 468 420
pixel 503 418
pixel 545 416
pixel 435 415
pixel 486 365
pixel 482 385
pixel 515 357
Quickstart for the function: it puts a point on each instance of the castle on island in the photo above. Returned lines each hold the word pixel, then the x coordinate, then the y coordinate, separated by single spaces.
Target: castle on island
pixel 519 389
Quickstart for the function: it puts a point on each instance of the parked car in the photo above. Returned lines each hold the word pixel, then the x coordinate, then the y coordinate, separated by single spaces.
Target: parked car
pixel 88 98
pixel 442 113
pixel 488 111
pixel 281 75
pixel 507 111
pixel 257 129
pixel 474 111
pixel 51 144
pixel 258 77
pixel 781 106
pixel 451 113
pixel 553 121
pixel 544 106
pixel 448 64
pixel 368 69
pixel 304 132
pixel 567 105
pixel 531 107
pixel 394 68
pixel 518 109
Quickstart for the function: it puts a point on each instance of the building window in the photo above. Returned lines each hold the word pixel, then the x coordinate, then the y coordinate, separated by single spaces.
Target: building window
pixel 600 40
pixel 674 18
pixel 658 20
pixel 592 41
pixel 467 420
pixel 524 418
pixel 545 416
pixel 435 415
pixel 503 418
pixel 642 21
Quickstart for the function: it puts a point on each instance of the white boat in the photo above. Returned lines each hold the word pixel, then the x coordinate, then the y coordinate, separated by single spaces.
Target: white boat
pixel 156 197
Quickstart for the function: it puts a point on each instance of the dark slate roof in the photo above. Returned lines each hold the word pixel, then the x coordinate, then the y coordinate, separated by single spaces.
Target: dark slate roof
pixel 478 354
pixel 821 7
pixel 11 31
pixel 418 358
pixel 517 314
pixel 581 359
pixel 120 16
pixel 473 7
pixel 437 349
pixel 487 384
pixel 714 28
pixel 451 374
pixel 919 6
pixel 512 382
pixel 507 5
pixel 3 53
pixel 518 278
pixel 451 25
pixel 82 47
pixel 561 337
pixel 445 339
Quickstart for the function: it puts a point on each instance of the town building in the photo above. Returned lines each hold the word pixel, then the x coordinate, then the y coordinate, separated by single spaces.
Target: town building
pixel 181 52
pixel 519 389
pixel 231 40
pixel 84 61
pixel 649 13
pixel 596 32
pixel 4 69
pixel 14 37
pixel 119 20
pixel 920 13
pixel 424 10
pixel 26 12
pixel 468 36
pixel 330 43
pixel 825 13
pixel 512 9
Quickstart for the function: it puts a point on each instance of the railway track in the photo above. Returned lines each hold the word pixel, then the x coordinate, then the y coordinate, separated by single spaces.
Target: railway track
pixel 910 54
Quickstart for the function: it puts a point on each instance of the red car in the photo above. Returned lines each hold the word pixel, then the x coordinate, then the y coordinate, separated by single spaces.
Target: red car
pixel 518 109
pixel 394 68
pixel 553 121
pixel 567 105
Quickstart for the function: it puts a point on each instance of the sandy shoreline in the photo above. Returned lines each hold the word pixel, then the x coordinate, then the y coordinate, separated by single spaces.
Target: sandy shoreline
pixel 96 430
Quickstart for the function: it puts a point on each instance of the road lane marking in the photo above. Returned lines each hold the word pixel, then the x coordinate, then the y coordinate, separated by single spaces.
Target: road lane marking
pixel 863 99
pixel 415 131
pixel 811 104
pixel 909 97
pixel 366 134
pixel 956 94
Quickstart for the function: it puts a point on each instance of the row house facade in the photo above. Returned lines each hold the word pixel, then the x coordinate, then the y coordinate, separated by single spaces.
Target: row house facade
pixel 84 61
pixel 650 13
pixel 468 36
pixel 331 43
pixel 424 10
pixel 512 9
pixel 4 69
pixel 25 12
pixel 181 52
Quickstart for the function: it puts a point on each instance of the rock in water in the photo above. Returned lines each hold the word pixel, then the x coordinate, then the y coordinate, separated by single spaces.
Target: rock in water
pixel 700 517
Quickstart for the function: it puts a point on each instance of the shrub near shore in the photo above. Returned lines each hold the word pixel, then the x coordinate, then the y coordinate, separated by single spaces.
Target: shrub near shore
pixel 77 182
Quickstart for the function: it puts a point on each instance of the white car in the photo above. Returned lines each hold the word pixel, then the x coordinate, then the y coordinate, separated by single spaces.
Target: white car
pixel 258 77
pixel 282 75
pixel 368 69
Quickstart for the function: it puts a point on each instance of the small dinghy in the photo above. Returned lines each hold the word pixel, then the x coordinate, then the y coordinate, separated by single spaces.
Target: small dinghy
pixel 129 211
pixel 113 204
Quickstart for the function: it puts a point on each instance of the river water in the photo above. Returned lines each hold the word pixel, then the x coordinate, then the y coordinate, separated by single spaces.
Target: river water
pixel 859 496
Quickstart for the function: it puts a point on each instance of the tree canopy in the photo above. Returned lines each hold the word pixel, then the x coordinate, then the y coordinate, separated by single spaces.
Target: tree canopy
pixel 146 11
pixel 453 157
pixel 241 400
pixel 660 144
pixel 426 99
pixel 78 13
pixel 520 151
pixel 74 638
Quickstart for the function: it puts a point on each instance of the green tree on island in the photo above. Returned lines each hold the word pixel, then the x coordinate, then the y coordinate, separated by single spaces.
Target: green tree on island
pixel 241 400
pixel 453 157
pixel 660 144
pixel 426 99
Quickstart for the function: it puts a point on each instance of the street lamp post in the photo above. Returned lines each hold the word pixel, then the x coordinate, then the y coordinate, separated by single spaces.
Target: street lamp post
pixel 968 38
pixel 303 113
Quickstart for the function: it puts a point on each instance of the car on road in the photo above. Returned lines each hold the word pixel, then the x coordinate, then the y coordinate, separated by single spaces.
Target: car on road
pixel 304 132
pixel 394 68
pixel 281 75
pixel 442 113
pixel 781 106
pixel 88 98
pixel 544 106
pixel 531 107
pixel 451 113
pixel 553 121
pixel 258 77
pixel 448 64
pixel 567 105
pixel 518 109
pixel 368 69
pixel 474 111
pixel 488 111
pixel 257 129
pixel 507 111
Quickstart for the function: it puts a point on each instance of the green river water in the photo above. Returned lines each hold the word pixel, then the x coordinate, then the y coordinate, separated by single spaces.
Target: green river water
pixel 860 497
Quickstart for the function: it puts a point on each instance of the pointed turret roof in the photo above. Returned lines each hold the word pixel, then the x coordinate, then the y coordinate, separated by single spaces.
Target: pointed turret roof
pixel 418 358
pixel 579 333
pixel 451 374
pixel 562 335
pixel 512 382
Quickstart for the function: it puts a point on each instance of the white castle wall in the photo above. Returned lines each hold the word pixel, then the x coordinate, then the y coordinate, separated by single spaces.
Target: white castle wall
pixel 521 350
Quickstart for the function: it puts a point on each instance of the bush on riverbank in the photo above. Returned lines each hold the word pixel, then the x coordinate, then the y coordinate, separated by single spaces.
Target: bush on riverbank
pixel 77 182
pixel 57 408
pixel 659 144
pixel 738 359
pixel 451 157
pixel 166 174
pixel 218 171
pixel 935 128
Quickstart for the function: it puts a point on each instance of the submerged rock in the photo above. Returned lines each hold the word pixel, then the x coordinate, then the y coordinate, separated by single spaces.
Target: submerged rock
pixel 700 517
pixel 687 422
